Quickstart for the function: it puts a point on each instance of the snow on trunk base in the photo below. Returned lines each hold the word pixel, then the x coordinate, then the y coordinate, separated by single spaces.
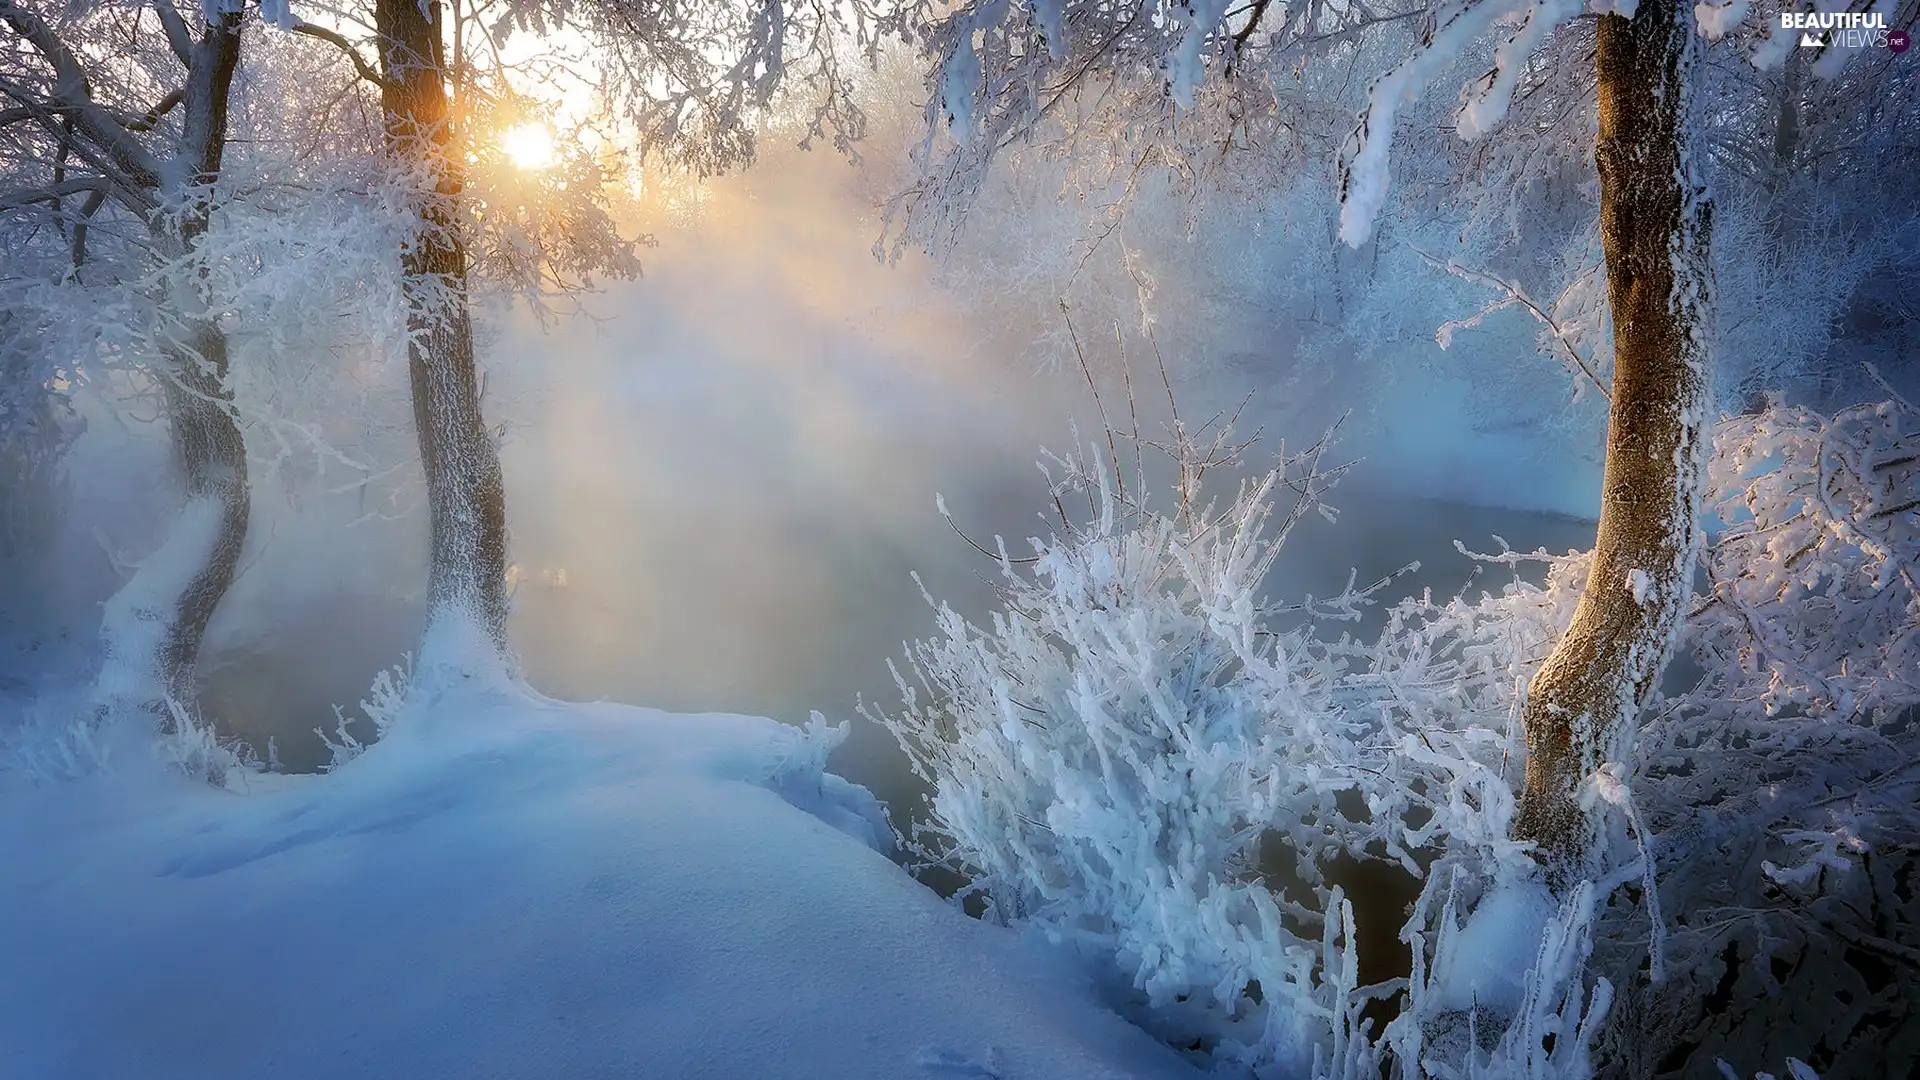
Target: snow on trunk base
pixel 138 617
pixel 1486 963
pixel 521 889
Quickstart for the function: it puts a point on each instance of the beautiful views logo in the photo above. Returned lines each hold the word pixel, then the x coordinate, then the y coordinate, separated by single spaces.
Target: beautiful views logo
pixel 1844 29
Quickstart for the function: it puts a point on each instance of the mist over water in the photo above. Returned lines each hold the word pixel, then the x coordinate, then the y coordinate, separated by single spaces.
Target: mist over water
pixel 721 482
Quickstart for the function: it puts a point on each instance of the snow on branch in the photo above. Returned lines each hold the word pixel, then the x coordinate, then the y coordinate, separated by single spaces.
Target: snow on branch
pixel 1364 161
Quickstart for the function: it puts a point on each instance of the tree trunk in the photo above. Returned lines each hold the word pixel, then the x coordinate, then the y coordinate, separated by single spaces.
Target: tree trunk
pixel 1786 130
pixel 213 457
pixel 1582 707
pixel 466 498
pixel 202 555
pixel 206 435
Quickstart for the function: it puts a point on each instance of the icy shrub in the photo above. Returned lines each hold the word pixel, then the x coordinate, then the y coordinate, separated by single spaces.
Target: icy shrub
pixel 188 743
pixel 1142 756
pixel 1781 782
pixel 45 745
pixel 1106 753
pixel 60 738
pixel 382 705
pixel 1763 835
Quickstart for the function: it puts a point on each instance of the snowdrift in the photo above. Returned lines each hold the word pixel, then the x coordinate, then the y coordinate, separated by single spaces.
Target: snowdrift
pixel 512 887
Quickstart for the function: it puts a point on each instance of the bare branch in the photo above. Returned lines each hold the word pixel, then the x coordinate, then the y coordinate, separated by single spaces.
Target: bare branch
pixel 339 41
pixel 54 193
pixel 80 227
pixel 71 93
pixel 1518 296
pixel 147 122
pixel 1255 11
pixel 135 193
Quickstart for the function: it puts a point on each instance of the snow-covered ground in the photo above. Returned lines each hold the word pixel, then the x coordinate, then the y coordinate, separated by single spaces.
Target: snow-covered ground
pixel 514 887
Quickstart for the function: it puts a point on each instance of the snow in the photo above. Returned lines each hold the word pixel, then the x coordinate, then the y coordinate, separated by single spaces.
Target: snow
pixel 1718 20
pixel 1773 49
pixel 1796 1070
pixel 1486 106
pixel 512 886
pixel 1834 58
pixel 1050 17
pixel 278 12
pixel 959 82
pixel 1367 160
pixel 137 618
pixel 1185 66
pixel 1641 583
pixel 1487 962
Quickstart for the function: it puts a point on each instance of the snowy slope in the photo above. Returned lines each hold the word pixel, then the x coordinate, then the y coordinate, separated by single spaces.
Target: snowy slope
pixel 511 887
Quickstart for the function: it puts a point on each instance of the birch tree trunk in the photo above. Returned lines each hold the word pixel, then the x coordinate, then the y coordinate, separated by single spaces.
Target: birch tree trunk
pixel 1582 707
pixel 466 497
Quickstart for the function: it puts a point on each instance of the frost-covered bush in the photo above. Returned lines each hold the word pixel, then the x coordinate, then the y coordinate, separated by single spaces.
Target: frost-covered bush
pixel 1105 755
pixel 381 707
pixel 44 745
pixel 1764 834
pixel 1771 802
pixel 59 738
pixel 189 744
pixel 1781 782
pixel 1142 755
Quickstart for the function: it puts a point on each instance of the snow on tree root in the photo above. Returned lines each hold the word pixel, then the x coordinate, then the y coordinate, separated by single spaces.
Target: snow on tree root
pixel 139 616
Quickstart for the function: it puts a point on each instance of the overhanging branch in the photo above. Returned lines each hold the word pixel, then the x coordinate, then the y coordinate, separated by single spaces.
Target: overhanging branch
pixel 74 100
pixel 1517 295
pixel 55 192
pixel 339 41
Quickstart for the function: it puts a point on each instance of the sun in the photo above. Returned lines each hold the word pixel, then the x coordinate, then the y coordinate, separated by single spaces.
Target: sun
pixel 529 145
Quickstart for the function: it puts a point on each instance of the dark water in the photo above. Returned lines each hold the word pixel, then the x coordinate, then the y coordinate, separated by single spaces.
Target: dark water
pixel 734 613
pixel 718 626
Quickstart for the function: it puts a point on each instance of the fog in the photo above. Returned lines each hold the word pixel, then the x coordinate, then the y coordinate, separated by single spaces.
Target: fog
pixel 721 482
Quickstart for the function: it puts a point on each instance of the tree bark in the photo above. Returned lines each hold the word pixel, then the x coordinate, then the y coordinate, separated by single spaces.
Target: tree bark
pixel 204 432
pixel 171 196
pixel 206 435
pixel 213 457
pixel 466 497
pixel 1582 707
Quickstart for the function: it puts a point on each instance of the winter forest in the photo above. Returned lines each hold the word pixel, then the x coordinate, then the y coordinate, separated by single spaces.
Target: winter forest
pixel 964 539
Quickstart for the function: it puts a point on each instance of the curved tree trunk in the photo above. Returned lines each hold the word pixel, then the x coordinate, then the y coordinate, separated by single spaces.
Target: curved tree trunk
pixel 466 497
pixel 183 583
pixel 206 435
pixel 213 457
pixel 153 626
pixel 1582 706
